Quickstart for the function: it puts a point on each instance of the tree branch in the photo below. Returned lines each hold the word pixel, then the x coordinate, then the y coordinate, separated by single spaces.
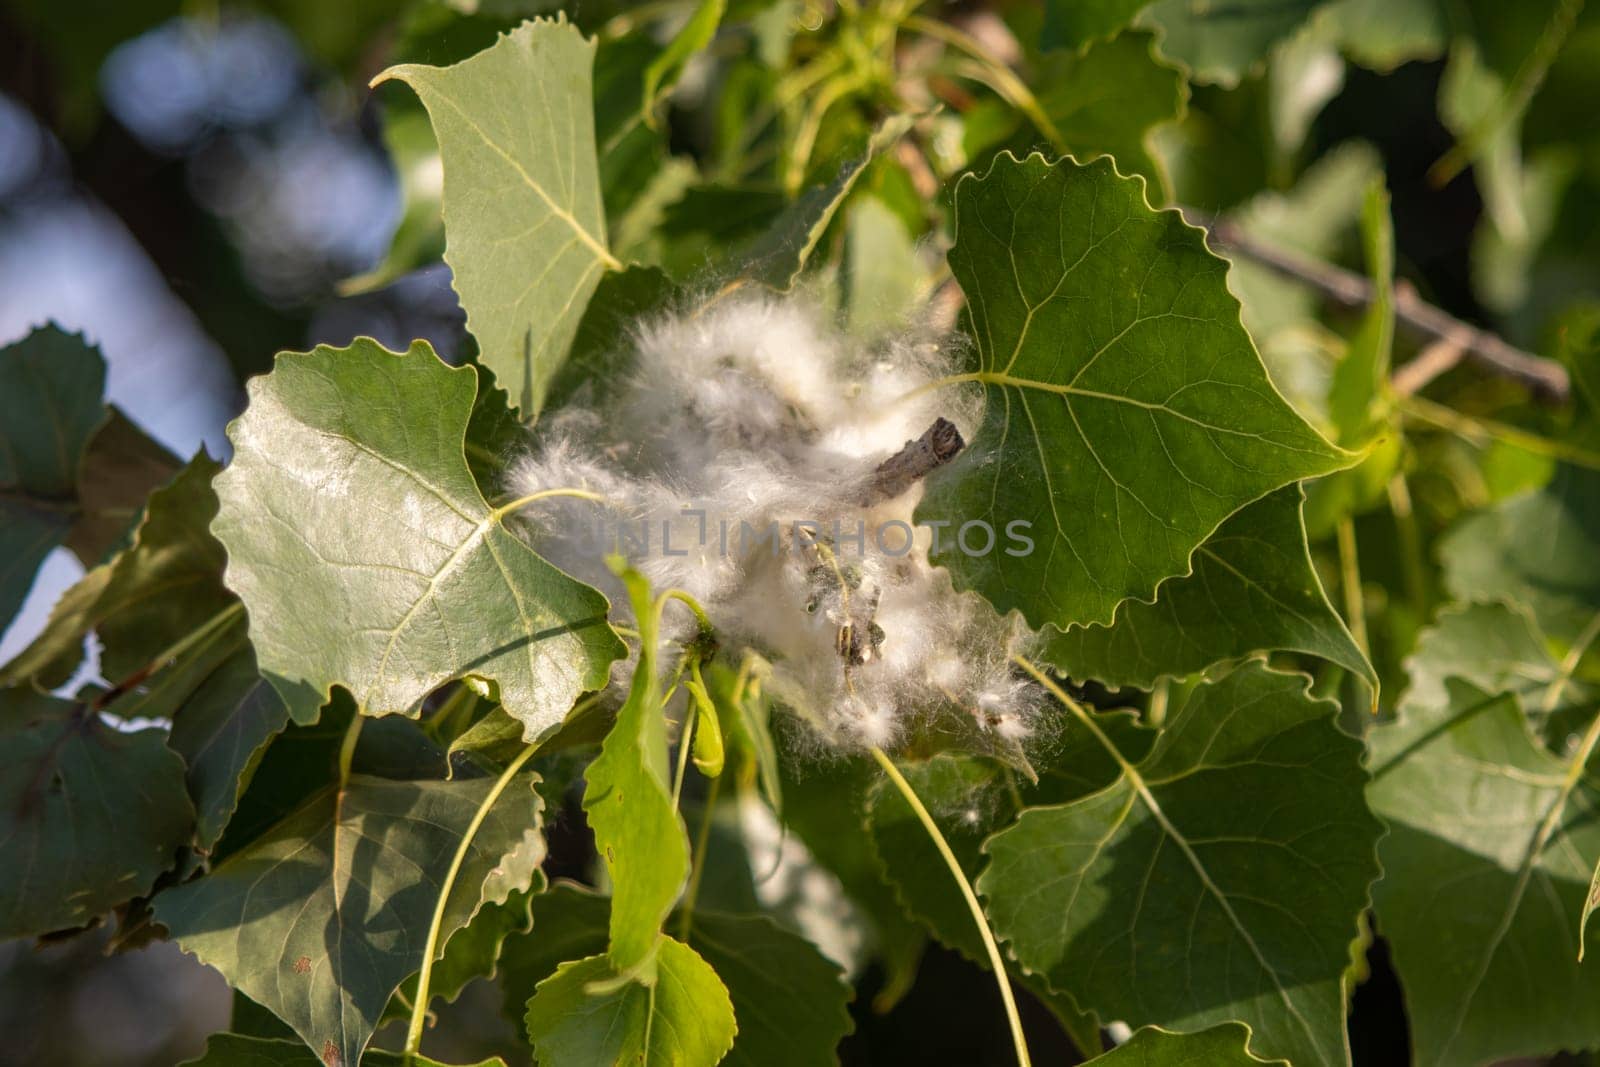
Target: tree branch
pixel 1545 377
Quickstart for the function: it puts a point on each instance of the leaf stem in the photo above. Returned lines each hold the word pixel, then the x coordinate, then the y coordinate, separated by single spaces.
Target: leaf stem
pixel 523 501
pixel 430 948
pixel 1478 431
pixel 1569 664
pixel 684 738
pixel 1350 585
pixel 702 842
pixel 347 748
pixel 996 961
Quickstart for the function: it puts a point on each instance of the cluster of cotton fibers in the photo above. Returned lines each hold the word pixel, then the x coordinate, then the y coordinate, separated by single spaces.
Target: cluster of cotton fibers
pixel 749 417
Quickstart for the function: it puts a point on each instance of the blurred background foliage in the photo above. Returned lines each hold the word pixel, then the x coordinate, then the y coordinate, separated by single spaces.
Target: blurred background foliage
pixel 198 185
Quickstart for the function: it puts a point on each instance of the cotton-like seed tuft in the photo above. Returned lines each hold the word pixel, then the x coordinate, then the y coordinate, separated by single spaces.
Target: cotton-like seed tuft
pixel 739 459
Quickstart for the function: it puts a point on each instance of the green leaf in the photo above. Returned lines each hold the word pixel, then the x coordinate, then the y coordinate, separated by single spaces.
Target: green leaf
pixel 1383 34
pixel 1486 871
pixel 776 258
pixel 473 952
pixel 1220 1046
pixel 1495 646
pixel 323 916
pixel 663 72
pixel 1253 589
pixel 1127 412
pixel 167 583
pixel 788 998
pixel 970 800
pixel 237 1050
pixel 1221 878
pixel 524 224
pixel 50 386
pixel 1537 549
pixel 89 816
pixel 1103 102
pixel 1221 42
pixel 684 1017
pixel 1075 23
pixel 368 558
pixel 885 281
pixel 220 731
pixel 628 798
pixel 1361 377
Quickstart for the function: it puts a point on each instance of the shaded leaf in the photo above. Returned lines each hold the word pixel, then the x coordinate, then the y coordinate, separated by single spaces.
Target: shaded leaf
pixel 1160 897
pixel 1074 23
pixel 663 71
pixel 238 1050
pixel 50 410
pixel 369 559
pixel 684 1017
pixel 1221 42
pixel 167 583
pixel 1537 549
pixel 1253 589
pixel 89 816
pixel 776 257
pixel 1486 871
pixel 525 233
pixel 220 731
pixel 1127 411
pixel 322 917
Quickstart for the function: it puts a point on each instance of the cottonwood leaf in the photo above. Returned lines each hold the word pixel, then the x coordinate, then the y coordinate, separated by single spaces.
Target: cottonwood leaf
pixel 1537 549
pixel 1127 412
pixel 789 999
pixel 1220 1046
pixel 525 230
pixel 776 257
pixel 1486 872
pixel 971 800
pixel 1253 589
pixel 684 1017
pixel 1162 898
pixel 1105 101
pixel 628 798
pixel 239 1050
pixel 1220 43
pixel 1075 23
pixel 72 471
pixel 323 916
pixel 166 584
pixel 663 71
pixel 89 816
pixel 368 558
pixel 220 730
pixel 1497 647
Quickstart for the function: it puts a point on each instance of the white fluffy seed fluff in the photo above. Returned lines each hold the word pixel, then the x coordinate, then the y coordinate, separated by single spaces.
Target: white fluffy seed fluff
pixel 753 412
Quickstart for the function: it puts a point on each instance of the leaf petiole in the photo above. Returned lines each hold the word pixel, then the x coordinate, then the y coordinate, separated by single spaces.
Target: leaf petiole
pixel 996 961
pixel 430 947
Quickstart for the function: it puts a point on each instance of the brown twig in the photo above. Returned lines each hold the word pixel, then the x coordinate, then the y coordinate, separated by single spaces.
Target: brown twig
pixel 1436 359
pixel 938 445
pixel 1545 377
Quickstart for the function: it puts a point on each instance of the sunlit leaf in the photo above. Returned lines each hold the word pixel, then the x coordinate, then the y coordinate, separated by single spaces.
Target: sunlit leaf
pixel 1127 412
pixel 89 815
pixel 368 558
pixel 525 231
